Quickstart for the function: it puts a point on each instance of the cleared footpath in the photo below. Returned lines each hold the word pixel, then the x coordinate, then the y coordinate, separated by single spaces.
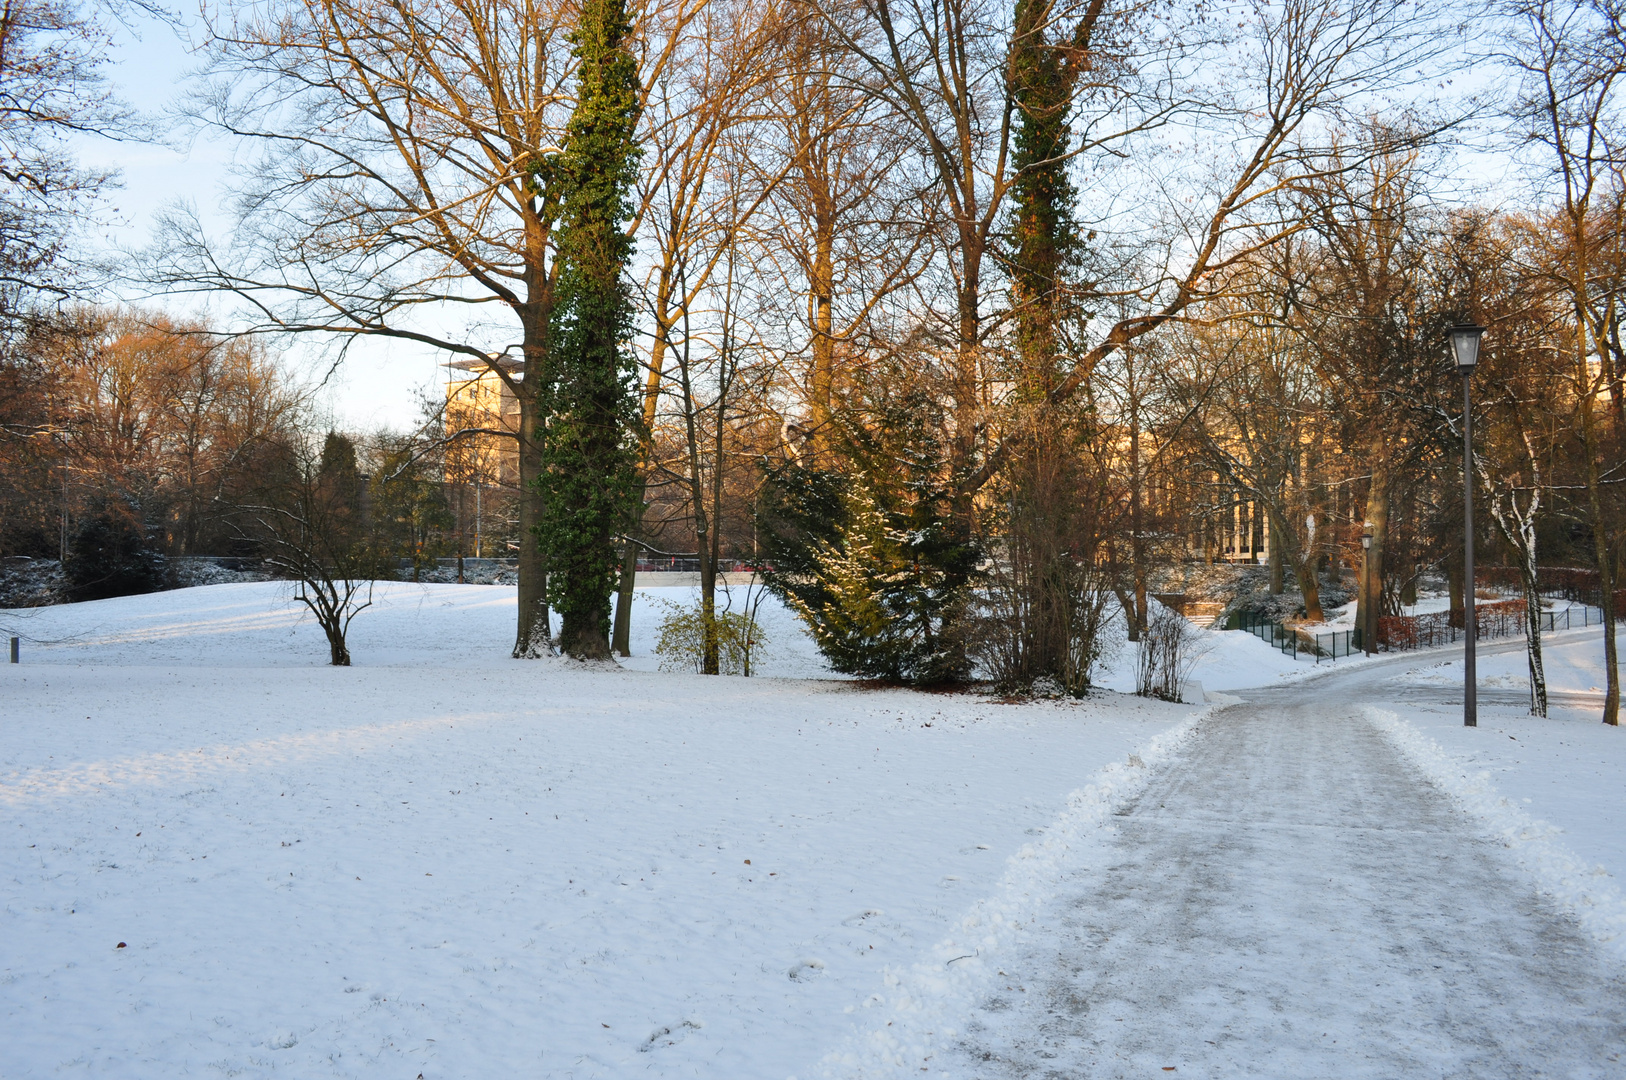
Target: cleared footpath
pixel 1290 899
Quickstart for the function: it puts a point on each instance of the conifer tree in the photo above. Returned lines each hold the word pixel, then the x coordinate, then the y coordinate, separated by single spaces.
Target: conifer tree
pixel 589 459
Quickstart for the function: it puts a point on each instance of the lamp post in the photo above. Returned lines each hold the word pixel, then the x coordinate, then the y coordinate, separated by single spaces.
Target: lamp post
pixel 1369 642
pixel 1465 345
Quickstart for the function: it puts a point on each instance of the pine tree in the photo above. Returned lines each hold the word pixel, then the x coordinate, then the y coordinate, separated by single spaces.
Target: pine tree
pixel 875 561
pixel 589 459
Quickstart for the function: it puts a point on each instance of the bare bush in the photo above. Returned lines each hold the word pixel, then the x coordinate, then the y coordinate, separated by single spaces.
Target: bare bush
pixel 1168 649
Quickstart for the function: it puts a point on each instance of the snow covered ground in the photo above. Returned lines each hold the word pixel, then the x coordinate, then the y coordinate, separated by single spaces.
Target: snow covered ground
pixel 1566 773
pixel 676 876
pixel 446 862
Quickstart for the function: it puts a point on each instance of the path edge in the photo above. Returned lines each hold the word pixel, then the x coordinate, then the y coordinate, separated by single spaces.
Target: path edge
pixel 920 1009
pixel 1585 892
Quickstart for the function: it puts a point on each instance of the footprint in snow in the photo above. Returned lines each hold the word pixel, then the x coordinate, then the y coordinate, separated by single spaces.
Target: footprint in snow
pixel 669 1036
pixel 806 970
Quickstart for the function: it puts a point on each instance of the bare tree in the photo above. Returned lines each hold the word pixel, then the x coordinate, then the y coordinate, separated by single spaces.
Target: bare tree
pixel 943 71
pixel 1253 402
pixel 400 187
pixel 308 519
pixel 1267 92
pixel 849 229
pixel 1363 307
pixel 1571 59
pixel 53 86
pixel 694 205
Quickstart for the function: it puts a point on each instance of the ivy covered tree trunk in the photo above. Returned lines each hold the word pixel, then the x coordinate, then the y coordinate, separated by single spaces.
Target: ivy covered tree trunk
pixel 1043 234
pixel 1045 527
pixel 589 450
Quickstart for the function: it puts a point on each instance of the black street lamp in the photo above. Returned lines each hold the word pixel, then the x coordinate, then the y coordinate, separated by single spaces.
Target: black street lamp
pixel 1369 637
pixel 1465 346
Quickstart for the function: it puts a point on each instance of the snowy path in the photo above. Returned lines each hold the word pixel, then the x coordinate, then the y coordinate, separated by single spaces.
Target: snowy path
pixel 1291 899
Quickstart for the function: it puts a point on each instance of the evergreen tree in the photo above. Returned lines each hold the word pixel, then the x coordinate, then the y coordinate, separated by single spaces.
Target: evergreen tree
pixel 589 434
pixel 112 554
pixel 338 479
pixel 875 562
pixel 410 510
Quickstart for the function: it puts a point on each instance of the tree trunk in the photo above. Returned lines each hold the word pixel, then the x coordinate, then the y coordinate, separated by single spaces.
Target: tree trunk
pixel 1300 556
pixel 967 403
pixel 621 635
pixel 822 302
pixel 1590 446
pixel 338 651
pixel 1137 525
pixel 532 639
pixel 1127 604
pixel 708 605
pixel 1369 601
pixel 1606 566
pixel 1532 633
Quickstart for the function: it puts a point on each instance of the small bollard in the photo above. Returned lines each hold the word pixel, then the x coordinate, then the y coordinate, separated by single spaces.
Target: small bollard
pixel 16 650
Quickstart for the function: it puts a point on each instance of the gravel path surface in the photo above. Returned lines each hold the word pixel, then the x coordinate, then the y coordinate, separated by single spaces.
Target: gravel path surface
pixel 1291 899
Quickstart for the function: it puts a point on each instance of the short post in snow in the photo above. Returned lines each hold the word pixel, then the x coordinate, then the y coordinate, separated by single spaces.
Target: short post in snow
pixel 1465 344
pixel 16 650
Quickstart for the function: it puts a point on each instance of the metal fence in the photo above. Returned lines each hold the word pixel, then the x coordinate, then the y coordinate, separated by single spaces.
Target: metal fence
pixel 688 564
pixel 1398 633
pixel 1575 584
pixel 1499 619
pixel 1294 642
pixel 1335 644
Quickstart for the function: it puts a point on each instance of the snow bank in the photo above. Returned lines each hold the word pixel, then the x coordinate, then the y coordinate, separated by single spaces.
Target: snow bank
pixel 1227 660
pixel 1586 891
pixel 916 1013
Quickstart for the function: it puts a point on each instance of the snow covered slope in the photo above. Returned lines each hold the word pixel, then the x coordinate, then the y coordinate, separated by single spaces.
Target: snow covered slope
pixel 446 862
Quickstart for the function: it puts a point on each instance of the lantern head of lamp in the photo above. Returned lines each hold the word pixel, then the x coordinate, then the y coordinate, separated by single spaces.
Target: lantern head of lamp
pixel 1465 345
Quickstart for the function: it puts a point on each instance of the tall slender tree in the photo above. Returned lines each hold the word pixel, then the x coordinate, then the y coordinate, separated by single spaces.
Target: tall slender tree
pixel 1571 60
pixel 589 429
pixel 1043 235
pixel 1045 502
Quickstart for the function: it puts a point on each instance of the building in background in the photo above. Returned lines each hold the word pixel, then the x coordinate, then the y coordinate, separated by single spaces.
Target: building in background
pixel 483 416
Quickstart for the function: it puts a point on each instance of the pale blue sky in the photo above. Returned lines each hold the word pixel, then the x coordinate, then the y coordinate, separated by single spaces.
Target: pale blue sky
pixel 376 385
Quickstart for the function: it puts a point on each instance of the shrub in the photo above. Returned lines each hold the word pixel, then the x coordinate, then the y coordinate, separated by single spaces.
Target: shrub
pixel 1168 649
pixel 682 641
